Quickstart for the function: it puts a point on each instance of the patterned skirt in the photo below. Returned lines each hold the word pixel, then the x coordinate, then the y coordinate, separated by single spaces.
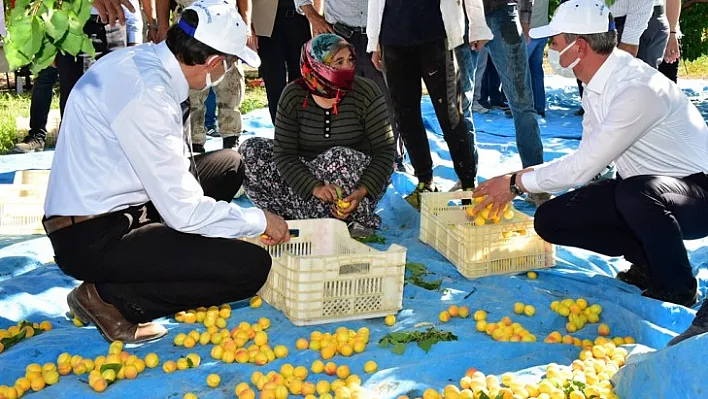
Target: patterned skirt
pixel 268 190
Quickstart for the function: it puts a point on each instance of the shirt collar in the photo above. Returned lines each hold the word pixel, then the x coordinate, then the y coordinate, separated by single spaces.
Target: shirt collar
pixel 177 79
pixel 599 81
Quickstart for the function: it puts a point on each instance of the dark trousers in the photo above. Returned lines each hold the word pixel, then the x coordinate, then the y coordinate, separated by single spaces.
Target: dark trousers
pixel 643 218
pixel 670 70
pixel 105 39
pixel 491 93
pixel 41 101
pixel 403 69
pixel 366 68
pixel 280 54
pixel 148 270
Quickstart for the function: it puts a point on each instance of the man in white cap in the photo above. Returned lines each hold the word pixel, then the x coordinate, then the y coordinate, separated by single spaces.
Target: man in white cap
pixel 124 213
pixel 659 142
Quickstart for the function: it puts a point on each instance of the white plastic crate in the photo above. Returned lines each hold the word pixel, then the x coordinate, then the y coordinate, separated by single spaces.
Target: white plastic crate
pixel 22 203
pixel 511 246
pixel 325 276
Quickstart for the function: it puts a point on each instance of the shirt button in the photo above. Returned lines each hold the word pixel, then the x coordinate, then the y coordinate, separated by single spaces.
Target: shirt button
pixel 327 121
pixel 327 135
pixel 327 129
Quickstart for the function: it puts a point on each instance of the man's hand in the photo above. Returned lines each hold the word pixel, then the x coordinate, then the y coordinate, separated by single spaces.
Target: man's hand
pixel 351 202
pixel 526 28
pixel 478 44
pixel 376 60
pixel 317 21
pixel 630 48
pixel 111 11
pixel 252 41
pixel 157 35
pixel 497 192
pixel 276 231
pixel 673 51
pixel 326 193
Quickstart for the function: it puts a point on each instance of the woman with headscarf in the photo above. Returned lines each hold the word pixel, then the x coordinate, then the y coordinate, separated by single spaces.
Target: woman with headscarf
pixel 332 133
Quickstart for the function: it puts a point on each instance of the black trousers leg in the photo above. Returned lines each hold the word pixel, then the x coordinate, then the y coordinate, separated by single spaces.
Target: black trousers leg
pixel 438 66
pixel 42 101
pixel 644 218
pixel 402 71
pixel 148 270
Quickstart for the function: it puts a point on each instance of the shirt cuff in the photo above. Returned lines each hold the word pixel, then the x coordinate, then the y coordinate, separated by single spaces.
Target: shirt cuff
pixel 300 3
pixel 528 180
pixel 255 219
pixel 631 36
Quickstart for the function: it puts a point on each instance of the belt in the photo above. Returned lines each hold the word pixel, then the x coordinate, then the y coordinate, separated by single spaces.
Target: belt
pixel 287 12
pixel 56 223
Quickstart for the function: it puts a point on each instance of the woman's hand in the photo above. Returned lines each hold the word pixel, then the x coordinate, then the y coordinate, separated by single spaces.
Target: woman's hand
pixel 343 208
pixel 326 193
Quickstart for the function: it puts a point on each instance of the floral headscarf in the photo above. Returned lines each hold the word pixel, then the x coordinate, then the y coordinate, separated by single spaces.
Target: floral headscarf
pixel 319 77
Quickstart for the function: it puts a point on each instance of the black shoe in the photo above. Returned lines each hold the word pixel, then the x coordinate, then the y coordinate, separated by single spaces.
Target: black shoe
pixel 542 114
pixel 31 143
pixel 212 132
pixel 685 298
pixel 230 142
pixel 637 275
pixel 198 148
pixel 501 106
pixel 579 112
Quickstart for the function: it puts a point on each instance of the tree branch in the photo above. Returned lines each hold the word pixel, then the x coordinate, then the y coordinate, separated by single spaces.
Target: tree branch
pixel 689 3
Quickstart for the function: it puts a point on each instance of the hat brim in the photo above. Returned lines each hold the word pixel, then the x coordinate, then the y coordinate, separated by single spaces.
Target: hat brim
pixel 250 57
pixel 543 32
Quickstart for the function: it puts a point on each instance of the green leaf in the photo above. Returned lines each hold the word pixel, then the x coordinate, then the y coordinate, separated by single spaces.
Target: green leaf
pixel 427 344
pixel 500 396
pixel 428 285
pixel 57 23
pixel 111 366
pixel 71 43
pixel 417 269
pixel 483 395
pixel 375 239
pixel 37 33
pixel 339 192
pixel 190 363
pixel 45 57
pixel 22 4
pixel 87 47
pixel 85 11
pixel 75 26
pixel 398 348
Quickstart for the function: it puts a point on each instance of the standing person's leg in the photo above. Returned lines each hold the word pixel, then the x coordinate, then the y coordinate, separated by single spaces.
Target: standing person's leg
pixel 467 64
pixel 402 71
pixel 698 327
pixel 508 50
pixel 42 90
pixel 493 88
pixel 535 53
pixel 210 113
pixel 298 34
pixel 272 53
pixel 366 68
pixel 196 117
pixel 479 73
pixel 653 41
pixel 439 75
pixel 229 96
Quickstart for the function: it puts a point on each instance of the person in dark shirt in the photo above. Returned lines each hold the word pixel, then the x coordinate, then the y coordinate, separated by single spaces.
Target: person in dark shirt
pixel 332 139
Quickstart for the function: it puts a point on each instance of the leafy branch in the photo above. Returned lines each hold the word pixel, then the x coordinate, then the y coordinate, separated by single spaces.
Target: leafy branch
pixel 417 271
pixel 39 29
pixel 424 339
pixel 8 342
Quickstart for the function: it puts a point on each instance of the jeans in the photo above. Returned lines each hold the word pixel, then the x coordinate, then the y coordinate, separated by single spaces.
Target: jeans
pixel 535 52
pixel 147 269
pixel 467 65
pixel 479 73
pixel 404 66
pixel 491 93
pixel 280 54
pixel 508 51
pixel 210 114
pixel 643 218
pixel 41 101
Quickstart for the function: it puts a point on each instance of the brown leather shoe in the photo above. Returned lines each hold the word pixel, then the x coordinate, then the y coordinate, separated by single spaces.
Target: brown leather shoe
pixel 88 306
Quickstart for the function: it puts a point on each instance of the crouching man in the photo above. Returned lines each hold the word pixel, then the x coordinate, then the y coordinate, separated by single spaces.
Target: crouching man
pixel 147 227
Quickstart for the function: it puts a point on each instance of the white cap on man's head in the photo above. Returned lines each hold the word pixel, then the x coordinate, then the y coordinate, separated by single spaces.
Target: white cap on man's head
pixel 580 17
pixel 221 27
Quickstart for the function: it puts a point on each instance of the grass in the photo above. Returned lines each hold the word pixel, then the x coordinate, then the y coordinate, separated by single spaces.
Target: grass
pixel 13 105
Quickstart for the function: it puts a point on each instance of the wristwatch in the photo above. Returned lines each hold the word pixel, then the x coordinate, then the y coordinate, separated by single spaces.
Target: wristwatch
pixel 513 187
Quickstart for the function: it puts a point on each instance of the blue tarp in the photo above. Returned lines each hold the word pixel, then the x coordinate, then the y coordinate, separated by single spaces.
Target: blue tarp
pixel 31 287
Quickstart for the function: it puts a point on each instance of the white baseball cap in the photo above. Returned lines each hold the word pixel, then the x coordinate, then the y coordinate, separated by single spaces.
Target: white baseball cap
pixel 580 17
pixel 221 27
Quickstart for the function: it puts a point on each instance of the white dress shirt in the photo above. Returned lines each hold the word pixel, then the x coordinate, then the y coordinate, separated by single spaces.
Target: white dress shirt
pixel 453 19
pixel 121 144
pixel 636 117
pixel 637 13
